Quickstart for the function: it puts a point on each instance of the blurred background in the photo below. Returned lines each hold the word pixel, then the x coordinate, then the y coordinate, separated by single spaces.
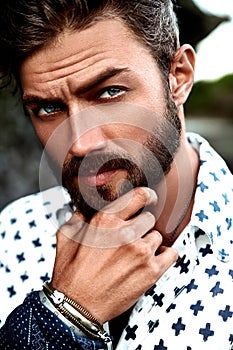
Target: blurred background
pixel 208 27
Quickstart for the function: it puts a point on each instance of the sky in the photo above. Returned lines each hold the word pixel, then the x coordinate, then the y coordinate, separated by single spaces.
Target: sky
pixel 215 53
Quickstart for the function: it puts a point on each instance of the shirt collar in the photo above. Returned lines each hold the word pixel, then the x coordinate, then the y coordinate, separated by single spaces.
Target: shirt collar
pixel 212 211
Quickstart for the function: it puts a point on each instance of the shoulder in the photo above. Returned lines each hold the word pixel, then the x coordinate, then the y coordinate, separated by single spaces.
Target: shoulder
pixel 212 165
pixel 33 213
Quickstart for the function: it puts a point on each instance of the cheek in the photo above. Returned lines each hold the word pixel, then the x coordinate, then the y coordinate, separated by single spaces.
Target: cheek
pixel 55 138
pixel 43 133
pixel 127 132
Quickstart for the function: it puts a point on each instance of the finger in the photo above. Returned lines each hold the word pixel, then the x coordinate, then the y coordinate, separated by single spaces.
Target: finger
pixel 154 239
pixel 106 237
pixel 115 236
pixel 165 258
pixel 131 202
pixel 141 224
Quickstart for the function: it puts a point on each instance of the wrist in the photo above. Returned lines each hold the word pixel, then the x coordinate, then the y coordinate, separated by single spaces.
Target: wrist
pixel 75 313
pixel 49 305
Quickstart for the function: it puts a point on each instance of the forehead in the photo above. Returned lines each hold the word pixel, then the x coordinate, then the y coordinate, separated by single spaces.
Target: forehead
pixel 107 42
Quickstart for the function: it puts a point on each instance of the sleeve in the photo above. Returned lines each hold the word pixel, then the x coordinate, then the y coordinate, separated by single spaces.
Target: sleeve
pixel 33 326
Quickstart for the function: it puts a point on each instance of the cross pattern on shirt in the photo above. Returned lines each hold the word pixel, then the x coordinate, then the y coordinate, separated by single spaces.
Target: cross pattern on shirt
pixel 189 308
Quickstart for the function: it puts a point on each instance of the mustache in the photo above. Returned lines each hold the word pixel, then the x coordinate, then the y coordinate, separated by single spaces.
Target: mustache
pixel 96 164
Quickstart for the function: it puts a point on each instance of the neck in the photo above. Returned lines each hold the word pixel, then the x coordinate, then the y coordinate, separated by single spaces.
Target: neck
pixel 176 194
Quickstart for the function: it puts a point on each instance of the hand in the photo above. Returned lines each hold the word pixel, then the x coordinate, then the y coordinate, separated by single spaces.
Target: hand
pixel 108 280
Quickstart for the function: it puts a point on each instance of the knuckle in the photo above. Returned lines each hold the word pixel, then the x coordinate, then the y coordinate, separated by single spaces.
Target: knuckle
pixel 141 193
pixel 171 254
pixel 146 194
pixel 174 254
pixel 144 251
pixel 157 270
pixel 104 220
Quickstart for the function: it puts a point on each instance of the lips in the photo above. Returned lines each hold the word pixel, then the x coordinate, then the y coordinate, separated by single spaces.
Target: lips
pixel 99 176
pixel 95 179
pixel 94 171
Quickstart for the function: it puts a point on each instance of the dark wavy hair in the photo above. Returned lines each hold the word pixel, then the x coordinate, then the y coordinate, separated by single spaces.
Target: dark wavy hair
pixel 27 25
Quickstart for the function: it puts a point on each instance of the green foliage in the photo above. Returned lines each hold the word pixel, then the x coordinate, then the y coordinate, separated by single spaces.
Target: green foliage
pixel 214 98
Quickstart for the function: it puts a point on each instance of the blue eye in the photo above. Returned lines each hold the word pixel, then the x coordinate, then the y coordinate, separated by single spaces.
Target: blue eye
pixel 50 110
pixel 47 110
pixel 111 92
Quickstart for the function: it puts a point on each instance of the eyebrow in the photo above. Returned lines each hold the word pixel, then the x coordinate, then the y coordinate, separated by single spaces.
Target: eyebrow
pixel 100 78
pixel 29 99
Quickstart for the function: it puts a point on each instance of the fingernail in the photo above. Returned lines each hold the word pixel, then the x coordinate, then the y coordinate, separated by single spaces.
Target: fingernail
pixel 152 196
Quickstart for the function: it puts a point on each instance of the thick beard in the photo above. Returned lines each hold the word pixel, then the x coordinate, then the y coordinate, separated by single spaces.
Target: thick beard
pixel 89 200
pixel 162 146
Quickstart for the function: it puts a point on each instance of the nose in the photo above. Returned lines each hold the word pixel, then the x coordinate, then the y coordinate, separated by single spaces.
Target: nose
pixel 88 142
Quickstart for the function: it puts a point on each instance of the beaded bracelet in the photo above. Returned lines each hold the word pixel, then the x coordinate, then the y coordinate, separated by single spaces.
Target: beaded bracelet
pixel 76 313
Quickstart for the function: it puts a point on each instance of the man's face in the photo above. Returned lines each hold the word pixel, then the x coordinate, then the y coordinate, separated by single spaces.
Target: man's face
pixel 102 68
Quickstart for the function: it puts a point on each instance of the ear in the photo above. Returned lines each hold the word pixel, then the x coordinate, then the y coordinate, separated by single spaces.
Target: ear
pixel 182 74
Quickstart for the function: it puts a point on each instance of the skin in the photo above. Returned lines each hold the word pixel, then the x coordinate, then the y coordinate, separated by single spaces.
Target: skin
pixel 74 70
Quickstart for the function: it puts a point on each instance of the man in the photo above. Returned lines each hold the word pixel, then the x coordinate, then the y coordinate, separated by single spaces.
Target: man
pixel 144 252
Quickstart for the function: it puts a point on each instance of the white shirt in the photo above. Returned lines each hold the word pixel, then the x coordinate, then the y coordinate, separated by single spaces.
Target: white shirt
pixel 190 307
